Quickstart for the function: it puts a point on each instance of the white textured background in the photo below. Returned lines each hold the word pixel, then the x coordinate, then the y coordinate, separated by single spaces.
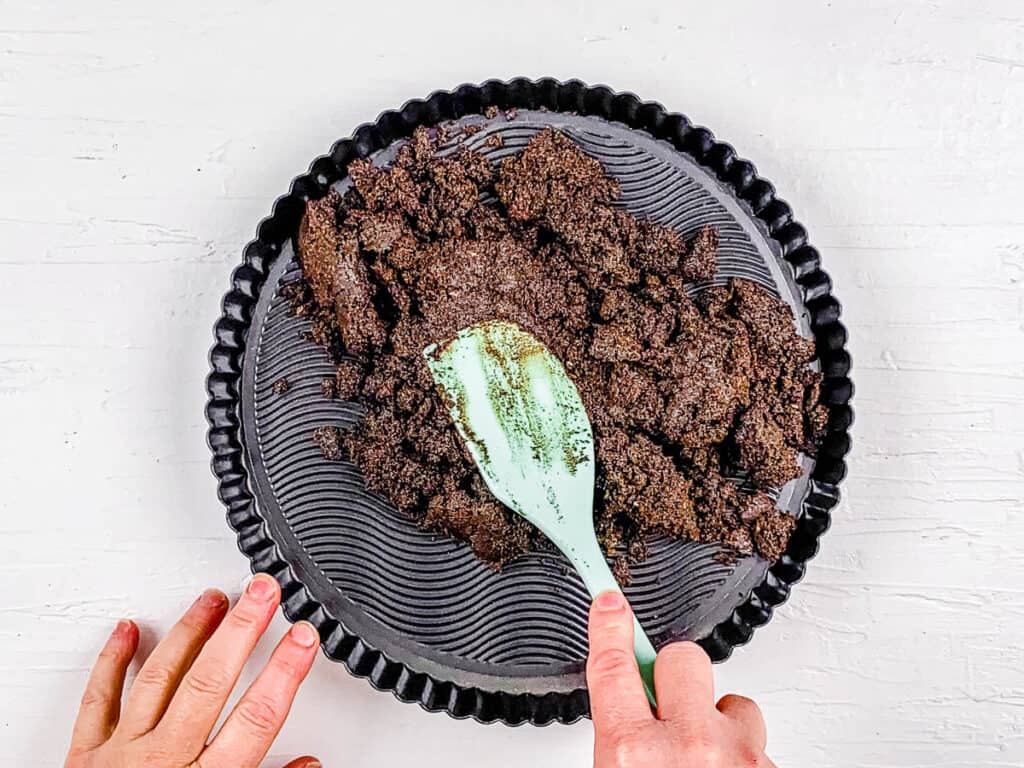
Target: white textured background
pixel 141 142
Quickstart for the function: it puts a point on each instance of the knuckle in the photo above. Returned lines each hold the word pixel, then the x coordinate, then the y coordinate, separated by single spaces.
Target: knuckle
pixel 193 623
pixel 610 663
pixel 286 667
pixel 114 654
pixel 93 699
pixel 243 619
pixel 206 683
pixel 110 654
pixel 627 751
pixel 259 715
pixel 155 677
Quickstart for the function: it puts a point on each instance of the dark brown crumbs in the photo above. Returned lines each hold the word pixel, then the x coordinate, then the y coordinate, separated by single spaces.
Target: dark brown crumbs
pixel 348 379
pixel 491 112
pixel 281 386
pixel 621 570
pixel 329 440
pixel 329 388
pixel 637 550
pixel 701 257
pixel 764 449
pixel 725 557
pixel 772 532
pixel 755 506
pixel 682 394
pixel 472 129
pixel 494 141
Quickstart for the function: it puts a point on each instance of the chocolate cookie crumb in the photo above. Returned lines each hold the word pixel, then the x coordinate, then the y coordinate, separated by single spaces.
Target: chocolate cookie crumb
pixel 756 506
pixel 621 571
pixel 329 388
pixel 763 448
pixel 772 532
pixel 684 395
pixel 491 112
pixel 329 440
pixel 281 386
pixel 495 141
pixel 701 259
pixel 348 378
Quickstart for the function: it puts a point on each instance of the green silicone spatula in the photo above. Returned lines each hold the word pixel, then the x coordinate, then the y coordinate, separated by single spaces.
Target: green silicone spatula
pixel 522 419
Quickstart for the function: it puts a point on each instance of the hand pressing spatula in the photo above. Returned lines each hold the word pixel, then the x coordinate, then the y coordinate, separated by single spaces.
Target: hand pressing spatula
pixel 524 423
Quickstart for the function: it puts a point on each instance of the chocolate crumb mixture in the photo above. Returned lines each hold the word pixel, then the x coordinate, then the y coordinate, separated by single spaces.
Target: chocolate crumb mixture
pixel 329 388
pixel 281 386
pixel 682 394
pixel 329 440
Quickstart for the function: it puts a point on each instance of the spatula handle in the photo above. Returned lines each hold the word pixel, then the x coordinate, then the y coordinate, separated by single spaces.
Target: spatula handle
pixel 598 578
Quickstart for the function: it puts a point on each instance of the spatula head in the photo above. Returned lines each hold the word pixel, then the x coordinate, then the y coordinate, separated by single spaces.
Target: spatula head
pixel 522 419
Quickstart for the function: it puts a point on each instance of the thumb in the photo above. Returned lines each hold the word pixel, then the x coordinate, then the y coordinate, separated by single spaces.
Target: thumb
pixel 617 695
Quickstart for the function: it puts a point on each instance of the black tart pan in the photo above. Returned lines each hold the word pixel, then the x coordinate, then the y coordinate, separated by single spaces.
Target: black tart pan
pixel 414 611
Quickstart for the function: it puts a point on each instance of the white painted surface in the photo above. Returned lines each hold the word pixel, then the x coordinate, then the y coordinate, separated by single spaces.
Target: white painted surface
pixel 140 143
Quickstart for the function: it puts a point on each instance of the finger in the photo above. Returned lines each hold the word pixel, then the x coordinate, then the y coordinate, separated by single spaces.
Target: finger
pixel 304 762
pixel 160 675
pixel 205 688
pixel 617 698
pixel 684 683
pixel 747 716
pixel 101 702
pixel 250 729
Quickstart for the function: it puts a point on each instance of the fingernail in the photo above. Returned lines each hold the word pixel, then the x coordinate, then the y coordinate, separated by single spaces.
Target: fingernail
pixel 305 634
pixel 211 598
pixel 261 587
pixel 313 764
pixel 610 601
pixel 123 627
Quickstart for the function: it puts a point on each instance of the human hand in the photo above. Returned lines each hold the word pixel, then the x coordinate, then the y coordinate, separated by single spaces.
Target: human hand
pixel 182 687
pixel 689 729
